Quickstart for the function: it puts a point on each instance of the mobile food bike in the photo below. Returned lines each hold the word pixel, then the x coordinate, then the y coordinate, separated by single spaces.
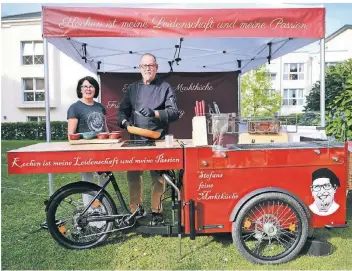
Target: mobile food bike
pixel 269 196
pixel 267 192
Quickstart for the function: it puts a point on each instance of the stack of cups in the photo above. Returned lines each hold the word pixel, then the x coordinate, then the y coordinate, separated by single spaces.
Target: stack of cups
pixel 169 141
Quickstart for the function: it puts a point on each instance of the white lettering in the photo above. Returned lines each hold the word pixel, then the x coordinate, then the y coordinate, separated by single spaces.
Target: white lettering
pixel 62 163
pixel 252 25
pixel 227 24
pixel 77 23
pixel 209 176
pixel 280 23
pixel 14 162
pixel 108 161
pixel 113 104
pixel 125 87
pixel 31 163
pixel 205 186
pixel 160 159
pixel 193 87
pixel 135 24
pixel 163 23
pixel 206 195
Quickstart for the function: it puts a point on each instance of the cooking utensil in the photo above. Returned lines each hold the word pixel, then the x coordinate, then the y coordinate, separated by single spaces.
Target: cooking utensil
pixel 143 132
pixel 216 107
pixel 203 107
pixel 211 111
pixel 198 108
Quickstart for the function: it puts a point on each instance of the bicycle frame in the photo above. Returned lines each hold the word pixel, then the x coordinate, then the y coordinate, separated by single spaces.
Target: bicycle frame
pixel 169 177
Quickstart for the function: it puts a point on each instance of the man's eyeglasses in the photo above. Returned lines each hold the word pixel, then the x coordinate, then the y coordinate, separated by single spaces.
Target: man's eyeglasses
pixel 87 87
pixel 317 188
pixel 150 66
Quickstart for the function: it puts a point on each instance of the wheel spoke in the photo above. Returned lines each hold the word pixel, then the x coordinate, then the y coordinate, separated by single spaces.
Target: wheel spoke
pixel 248 236
pixel 74 230
pixel 271 228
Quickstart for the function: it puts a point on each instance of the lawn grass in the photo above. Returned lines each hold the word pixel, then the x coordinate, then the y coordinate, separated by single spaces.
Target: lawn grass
pixel 25 246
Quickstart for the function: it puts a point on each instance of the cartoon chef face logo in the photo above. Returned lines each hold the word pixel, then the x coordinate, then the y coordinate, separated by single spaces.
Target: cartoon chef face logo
pixel 95 121
pixel 323 188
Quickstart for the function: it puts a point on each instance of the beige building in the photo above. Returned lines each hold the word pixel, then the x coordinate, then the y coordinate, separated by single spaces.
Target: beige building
pixel 295 73
pixel 22 78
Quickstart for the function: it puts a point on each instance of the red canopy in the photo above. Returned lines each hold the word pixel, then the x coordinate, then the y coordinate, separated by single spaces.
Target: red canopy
pixel 146 22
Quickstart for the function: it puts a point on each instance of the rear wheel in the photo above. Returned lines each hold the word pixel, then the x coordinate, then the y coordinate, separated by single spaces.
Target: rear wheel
pixel 271 228
pixel 71 229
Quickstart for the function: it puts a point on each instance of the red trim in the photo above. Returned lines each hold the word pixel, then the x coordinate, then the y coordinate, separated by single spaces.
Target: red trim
pixel 144 22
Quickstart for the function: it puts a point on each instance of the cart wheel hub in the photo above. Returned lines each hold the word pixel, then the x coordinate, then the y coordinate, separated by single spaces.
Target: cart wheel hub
pixel 269 229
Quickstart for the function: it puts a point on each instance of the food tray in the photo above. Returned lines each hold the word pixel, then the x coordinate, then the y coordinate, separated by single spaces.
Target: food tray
pixel 94 141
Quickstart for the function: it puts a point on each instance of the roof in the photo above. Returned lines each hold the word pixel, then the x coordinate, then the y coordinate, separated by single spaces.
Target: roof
pixel 338 32
pixel 23 16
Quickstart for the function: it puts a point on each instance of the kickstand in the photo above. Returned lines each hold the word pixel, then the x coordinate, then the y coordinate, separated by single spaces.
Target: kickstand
pixel 179 245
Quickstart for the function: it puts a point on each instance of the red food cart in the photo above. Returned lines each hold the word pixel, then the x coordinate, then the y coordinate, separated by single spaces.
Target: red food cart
pixel 269 196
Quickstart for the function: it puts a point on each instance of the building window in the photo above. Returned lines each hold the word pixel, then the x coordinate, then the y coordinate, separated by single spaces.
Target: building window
pixel 273 76
pixel 330 64
pixel 293 97
pixel 33 90
pixel 32 53
pixel 293 71
pixel 35 118
pixel 271 91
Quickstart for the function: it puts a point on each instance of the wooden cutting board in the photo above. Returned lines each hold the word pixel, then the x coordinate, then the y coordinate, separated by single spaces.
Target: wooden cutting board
pixel 94 141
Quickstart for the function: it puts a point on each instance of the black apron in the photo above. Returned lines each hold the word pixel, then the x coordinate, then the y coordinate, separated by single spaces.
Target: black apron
pixel 150 96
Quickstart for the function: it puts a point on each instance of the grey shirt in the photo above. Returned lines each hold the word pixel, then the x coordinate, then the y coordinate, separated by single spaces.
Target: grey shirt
pixel 91 118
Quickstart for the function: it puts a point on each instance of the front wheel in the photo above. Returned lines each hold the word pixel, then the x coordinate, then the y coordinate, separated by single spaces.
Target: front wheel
pixel 271 228
pixel 66 223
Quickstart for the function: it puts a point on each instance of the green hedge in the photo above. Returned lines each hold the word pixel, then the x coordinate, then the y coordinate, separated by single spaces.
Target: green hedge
pixel 37 130
pixel 33 130
pixel 303 119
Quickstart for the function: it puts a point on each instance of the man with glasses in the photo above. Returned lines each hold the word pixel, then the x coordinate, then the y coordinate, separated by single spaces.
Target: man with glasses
pixel 324 186
pixel 150 104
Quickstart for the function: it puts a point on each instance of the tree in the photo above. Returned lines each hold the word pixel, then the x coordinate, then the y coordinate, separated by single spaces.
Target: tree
pixel 257 97
pixel 339 119
pixel 335 78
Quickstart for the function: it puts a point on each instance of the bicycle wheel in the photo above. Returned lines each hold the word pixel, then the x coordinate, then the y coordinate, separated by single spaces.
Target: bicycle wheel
pixel 68 227
pixel 271 228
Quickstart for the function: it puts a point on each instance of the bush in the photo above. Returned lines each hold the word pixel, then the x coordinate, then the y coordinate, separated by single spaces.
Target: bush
pixel 303 119
pixel 33 130
pixel 335 79
pixel 340 114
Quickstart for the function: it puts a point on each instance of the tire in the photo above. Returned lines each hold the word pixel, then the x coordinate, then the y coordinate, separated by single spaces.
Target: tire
pixel 57 225
pixel 271 226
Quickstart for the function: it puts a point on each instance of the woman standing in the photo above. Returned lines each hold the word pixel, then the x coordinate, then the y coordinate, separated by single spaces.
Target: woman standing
pixel 86 115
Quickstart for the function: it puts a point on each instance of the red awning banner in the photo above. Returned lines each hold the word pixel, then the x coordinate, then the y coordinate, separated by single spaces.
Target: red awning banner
pixel 146 22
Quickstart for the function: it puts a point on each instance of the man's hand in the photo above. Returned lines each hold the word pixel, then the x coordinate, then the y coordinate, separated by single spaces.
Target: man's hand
pixel 125 124
pixel 147 112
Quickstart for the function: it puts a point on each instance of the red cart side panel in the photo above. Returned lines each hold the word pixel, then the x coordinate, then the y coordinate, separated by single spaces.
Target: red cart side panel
pixel 92 161
pixel 217 186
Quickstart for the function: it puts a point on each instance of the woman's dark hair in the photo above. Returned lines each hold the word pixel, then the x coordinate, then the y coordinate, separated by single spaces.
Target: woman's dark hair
pixel 92 81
